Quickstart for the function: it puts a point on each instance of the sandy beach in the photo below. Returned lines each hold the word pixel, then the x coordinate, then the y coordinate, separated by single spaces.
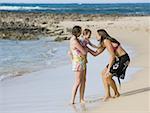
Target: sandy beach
pixel 135 93
pixel 49 90
pixel 133 31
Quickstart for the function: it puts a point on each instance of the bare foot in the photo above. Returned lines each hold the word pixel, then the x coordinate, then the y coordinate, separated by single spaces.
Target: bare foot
pixel 82 101
pixel 116 95
pixel 72 102
pixel 106 98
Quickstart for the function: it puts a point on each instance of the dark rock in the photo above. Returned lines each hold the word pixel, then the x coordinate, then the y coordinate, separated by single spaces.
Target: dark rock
pixel 60 38
pixel 27 19
pixel 28 26
pixel 44 23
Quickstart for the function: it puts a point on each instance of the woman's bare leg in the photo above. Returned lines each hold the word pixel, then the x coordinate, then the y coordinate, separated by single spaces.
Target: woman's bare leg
pixel 77 83
pixel 106 86
pixel 112 83
pixel 82 87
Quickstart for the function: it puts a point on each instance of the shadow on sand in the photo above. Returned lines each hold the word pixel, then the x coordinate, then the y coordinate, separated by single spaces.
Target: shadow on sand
pixel 136 91
pixel 84 107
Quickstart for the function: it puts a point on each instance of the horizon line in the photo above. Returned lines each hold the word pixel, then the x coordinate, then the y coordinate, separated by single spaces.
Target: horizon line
pixel 68 3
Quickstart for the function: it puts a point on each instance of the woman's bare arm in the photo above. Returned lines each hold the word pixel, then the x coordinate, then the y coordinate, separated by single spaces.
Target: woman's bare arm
pixel 97 52
pixel 94 46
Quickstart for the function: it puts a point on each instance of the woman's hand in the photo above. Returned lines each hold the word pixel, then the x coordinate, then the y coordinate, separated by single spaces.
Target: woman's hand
pixel 107 72
pixel 97 52
pixel 86 49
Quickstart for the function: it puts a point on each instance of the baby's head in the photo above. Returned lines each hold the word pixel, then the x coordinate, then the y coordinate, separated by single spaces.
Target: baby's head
pixel 87 33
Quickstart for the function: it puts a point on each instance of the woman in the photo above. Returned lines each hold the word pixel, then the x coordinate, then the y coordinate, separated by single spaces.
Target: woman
pixel 78 56
pixel 118 61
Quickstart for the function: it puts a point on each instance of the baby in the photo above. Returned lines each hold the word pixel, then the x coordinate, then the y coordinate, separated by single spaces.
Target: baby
pixel 84 41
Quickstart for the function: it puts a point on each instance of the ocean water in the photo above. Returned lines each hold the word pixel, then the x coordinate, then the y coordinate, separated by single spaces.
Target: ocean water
pixel 118 8
pixel 19 57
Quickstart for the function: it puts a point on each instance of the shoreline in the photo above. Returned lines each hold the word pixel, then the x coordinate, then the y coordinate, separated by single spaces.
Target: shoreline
pixel 49 13
pixel 47 52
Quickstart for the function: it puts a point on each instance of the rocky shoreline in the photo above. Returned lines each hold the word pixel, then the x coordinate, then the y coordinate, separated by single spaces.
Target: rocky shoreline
pixel 32 26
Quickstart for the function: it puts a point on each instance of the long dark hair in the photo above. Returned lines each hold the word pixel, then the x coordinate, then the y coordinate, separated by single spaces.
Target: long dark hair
pixel 104 35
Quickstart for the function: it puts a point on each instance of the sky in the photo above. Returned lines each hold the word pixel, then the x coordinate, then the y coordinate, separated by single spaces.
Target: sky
pixel 74 1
